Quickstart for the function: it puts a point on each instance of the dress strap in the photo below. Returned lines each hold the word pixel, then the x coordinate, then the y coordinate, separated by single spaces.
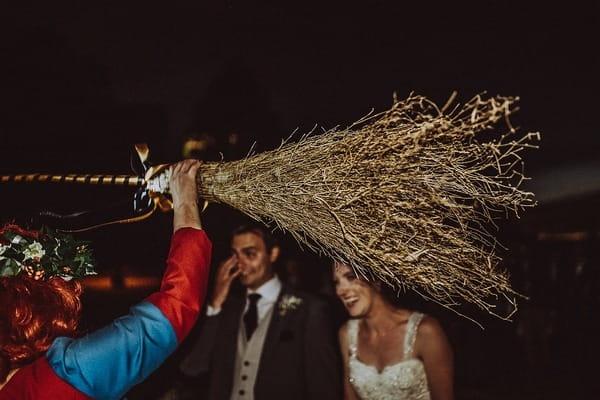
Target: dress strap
pixel 411 334
pixel 352 334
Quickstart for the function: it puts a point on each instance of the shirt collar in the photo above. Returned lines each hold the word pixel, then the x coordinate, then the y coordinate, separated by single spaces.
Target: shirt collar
pixel 269 290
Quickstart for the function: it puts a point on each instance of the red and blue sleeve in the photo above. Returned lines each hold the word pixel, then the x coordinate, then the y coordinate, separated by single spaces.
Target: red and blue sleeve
pixel 108 362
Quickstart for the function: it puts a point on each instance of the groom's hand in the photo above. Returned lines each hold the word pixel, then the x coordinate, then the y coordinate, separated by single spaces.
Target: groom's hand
pixel 226 273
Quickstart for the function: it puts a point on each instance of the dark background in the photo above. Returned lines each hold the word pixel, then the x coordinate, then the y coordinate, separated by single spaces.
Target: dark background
pixel 81 82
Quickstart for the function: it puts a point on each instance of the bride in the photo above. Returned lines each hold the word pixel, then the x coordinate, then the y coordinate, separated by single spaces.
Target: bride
pixel 389 352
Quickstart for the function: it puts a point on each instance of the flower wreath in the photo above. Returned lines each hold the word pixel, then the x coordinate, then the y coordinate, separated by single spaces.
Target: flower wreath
pixel 44 254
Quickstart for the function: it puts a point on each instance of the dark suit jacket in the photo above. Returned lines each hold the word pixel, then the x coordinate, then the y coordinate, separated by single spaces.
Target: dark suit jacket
pixel 300 357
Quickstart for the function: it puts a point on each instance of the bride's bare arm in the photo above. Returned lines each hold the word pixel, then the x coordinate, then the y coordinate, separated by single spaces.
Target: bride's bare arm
pixel 433 348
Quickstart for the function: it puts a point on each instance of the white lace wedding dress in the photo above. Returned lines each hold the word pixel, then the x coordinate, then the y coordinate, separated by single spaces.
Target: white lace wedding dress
pixel 405 380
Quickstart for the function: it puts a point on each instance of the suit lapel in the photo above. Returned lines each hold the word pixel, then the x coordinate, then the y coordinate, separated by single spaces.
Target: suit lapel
pixel 229 331
pixel 278 322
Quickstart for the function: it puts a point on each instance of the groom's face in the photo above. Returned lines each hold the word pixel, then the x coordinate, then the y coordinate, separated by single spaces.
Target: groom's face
pixel 253 259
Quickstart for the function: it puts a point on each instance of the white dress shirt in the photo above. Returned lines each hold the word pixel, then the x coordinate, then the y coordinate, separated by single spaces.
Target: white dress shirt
pixel 269 292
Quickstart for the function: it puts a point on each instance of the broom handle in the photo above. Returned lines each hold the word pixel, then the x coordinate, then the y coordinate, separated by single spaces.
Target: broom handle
pixel 90 179
pixel 157 181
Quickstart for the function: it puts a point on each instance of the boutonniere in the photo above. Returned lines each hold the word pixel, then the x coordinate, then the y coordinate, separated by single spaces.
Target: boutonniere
pixel 288 303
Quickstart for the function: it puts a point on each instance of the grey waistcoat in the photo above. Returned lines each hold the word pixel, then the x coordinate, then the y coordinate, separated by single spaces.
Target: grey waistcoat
pixel 248 358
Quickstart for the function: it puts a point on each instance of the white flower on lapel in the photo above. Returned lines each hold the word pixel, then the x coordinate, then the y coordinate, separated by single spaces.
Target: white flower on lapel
pixel 288 303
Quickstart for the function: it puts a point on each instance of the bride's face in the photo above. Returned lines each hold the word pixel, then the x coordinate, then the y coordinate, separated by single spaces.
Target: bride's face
pixel 356 294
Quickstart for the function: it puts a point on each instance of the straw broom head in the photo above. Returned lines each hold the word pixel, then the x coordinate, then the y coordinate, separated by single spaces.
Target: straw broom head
pixel 406 196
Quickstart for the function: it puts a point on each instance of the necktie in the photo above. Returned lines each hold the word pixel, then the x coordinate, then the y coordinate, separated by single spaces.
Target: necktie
pixel 251 316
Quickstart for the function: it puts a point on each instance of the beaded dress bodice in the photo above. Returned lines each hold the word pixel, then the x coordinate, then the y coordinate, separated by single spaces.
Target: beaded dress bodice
pixel 405 380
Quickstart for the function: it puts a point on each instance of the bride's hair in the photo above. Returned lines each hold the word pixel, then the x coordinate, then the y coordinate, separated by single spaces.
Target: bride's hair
pixel 33 314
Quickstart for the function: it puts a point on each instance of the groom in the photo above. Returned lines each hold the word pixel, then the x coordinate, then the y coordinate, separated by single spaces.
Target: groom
pixel 270 342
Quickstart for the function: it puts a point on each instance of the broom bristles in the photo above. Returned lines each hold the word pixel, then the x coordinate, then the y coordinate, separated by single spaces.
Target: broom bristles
pixel 407 196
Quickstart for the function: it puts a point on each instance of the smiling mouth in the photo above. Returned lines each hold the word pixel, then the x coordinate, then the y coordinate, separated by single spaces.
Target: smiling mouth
pixel 350 301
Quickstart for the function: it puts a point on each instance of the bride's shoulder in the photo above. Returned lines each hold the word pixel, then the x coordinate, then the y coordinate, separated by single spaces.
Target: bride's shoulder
pixel 431 338
pixel 429 328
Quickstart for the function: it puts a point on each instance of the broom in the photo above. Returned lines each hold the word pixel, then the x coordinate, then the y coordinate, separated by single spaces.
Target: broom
pixel 407 196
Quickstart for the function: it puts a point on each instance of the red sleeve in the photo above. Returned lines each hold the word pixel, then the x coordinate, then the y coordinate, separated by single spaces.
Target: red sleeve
pixel 184 283
pixel 39 381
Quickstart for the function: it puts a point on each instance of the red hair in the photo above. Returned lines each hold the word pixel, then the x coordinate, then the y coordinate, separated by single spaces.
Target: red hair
pixel 32 315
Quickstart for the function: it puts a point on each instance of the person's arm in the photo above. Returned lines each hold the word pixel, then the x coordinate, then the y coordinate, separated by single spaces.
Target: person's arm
pixel 349 393
pixel 108 362
pixel 183 289
pixel 433 348
pixel 182 185
pixel 322 362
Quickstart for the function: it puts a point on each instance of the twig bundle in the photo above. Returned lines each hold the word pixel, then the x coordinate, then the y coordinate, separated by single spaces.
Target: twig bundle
pixel 406 196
